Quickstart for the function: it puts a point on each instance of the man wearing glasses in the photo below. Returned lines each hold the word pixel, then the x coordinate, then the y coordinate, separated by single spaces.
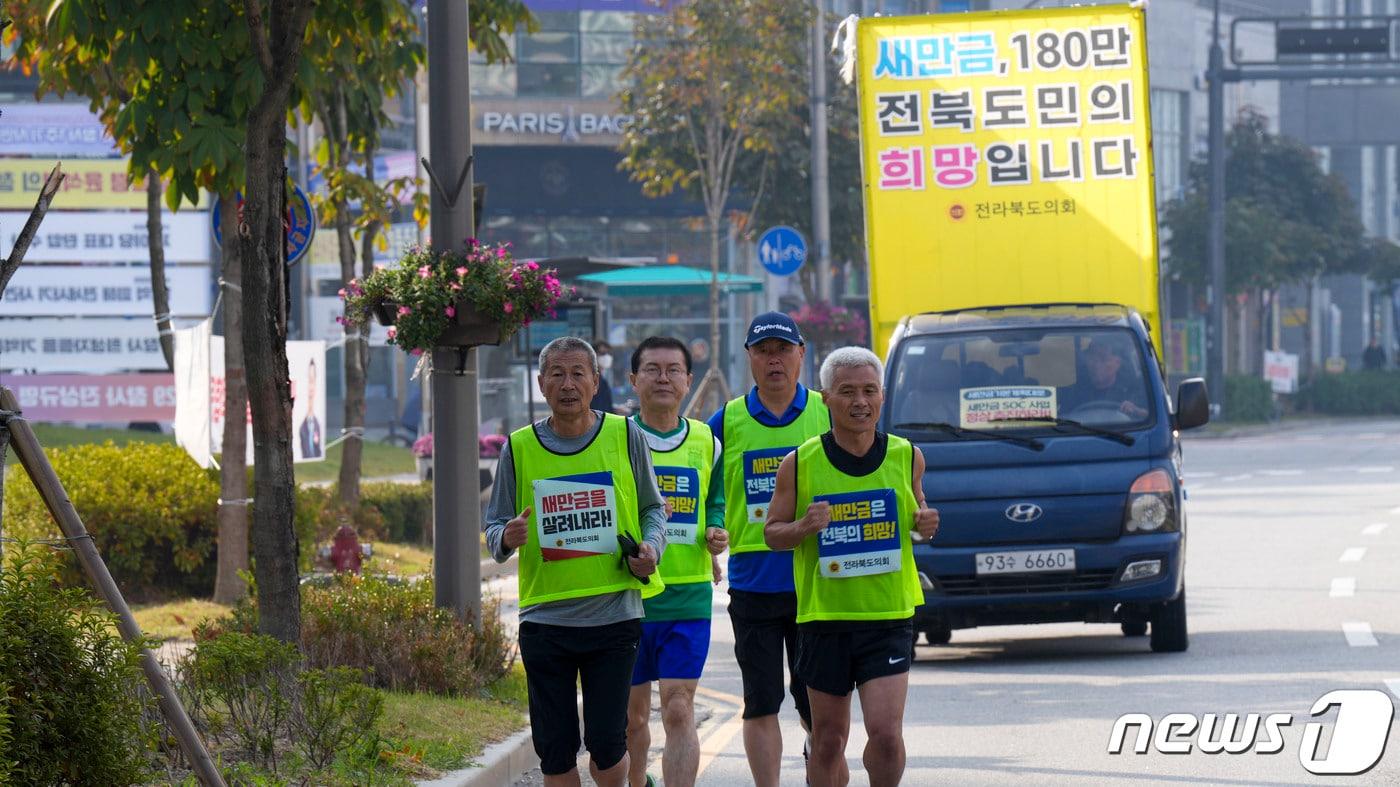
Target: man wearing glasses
pixel 676 630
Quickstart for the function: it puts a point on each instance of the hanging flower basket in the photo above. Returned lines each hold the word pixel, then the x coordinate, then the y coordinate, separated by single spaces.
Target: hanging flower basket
pixel 433 298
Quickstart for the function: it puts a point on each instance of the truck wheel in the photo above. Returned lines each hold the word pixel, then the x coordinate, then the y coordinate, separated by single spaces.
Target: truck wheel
pixel 1169 626
pixel 939 635
pixel 1134 628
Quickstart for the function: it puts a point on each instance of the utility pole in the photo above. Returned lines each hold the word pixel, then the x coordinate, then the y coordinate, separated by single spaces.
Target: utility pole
pixel 456 486
pixel 1215 229
pixel 821 198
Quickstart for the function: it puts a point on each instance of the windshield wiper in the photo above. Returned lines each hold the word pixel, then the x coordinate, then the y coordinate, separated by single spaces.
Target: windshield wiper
pixel 1117 437
pixel 1025 442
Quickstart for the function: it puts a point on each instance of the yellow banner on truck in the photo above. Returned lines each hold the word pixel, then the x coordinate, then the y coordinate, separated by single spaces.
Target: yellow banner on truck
pixel 1007 159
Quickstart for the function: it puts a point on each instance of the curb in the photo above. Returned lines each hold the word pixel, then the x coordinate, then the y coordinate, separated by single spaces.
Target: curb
pixel 499 766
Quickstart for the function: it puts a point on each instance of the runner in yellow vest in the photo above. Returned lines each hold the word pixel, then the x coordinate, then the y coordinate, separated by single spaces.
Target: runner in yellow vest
pixel 582 483
pixel 757 431
pixel 676 630
pixel 848 503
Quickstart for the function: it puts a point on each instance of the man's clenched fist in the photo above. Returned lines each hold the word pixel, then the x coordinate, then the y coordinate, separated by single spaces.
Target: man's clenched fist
pixel 517 530
pixel 817 517
pixel 926 522
pixel 716 539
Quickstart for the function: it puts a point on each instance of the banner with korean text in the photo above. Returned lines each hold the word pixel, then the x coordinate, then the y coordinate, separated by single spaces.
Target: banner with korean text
pixel 1007 159
pixel 90 183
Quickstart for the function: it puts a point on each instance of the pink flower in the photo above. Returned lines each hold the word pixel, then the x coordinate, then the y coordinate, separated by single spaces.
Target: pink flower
pixel 404 310
pixel 392 332
pixel 500 254
pixel 341 293
pixel 416 351
pixel 532 266
pixel 462 271
pixel 342 321
pixel 450 311
pixel 454 286
pixel 425 272
pixel 509 307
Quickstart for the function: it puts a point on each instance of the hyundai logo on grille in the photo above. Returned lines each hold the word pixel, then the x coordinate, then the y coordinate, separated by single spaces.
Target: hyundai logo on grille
pixel 1023 512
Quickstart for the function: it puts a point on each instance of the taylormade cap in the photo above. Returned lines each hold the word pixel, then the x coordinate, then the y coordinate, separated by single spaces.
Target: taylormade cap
pixel 773 325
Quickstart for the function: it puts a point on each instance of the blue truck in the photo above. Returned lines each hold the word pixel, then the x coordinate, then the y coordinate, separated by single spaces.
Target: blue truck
pixel 1053 456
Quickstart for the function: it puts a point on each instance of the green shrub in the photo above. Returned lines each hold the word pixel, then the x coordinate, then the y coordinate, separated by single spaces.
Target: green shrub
pixel 150 509
pixel 406 510
pixel 1352 393
pixel 336 712
pixel 251 677
pixel 397 634
pixel 388 511
pixel 70 702
pixel 1248 399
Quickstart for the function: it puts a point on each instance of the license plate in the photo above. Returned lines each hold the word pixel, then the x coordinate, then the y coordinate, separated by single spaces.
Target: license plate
pixel 1034 561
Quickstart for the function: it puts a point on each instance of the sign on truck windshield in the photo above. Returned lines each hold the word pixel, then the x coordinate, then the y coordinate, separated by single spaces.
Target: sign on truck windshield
pixel 1007 159
pixel 1020 380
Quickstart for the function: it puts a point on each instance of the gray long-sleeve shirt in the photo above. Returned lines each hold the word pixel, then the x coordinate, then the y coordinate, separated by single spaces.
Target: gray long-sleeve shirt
pixel 589 610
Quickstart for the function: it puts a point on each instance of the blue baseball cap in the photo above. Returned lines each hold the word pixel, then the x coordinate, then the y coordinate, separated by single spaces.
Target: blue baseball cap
pixel 773 325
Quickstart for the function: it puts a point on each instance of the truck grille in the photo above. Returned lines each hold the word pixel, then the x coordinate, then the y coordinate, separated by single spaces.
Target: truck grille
pixel 1025 583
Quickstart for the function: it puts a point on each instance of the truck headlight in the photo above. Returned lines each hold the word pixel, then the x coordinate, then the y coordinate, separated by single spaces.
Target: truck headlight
pixel 1151 504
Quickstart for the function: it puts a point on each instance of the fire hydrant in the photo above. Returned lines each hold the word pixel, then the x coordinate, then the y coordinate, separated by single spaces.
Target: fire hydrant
pixel 346 553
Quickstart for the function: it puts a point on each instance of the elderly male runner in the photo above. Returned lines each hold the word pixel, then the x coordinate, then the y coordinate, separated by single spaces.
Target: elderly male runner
pixel 676 629
pixel 569 490
pixel 757 430
pixel 847 502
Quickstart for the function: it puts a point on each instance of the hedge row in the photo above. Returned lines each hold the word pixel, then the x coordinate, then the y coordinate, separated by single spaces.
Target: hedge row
pixel 1351 393
pixel 152 513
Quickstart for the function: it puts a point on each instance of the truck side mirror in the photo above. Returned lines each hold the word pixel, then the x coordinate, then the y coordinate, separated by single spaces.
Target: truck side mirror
pixel 1192 404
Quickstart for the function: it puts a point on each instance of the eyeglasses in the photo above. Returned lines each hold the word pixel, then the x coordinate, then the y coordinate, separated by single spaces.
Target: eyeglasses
pixel 656 372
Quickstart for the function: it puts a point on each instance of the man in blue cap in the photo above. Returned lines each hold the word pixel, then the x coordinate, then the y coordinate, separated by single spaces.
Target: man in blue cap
pixel 756 431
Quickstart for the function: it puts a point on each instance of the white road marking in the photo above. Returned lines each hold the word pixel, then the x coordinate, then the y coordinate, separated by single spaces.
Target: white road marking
pixel 1243 476
pixel 1395 510
pixel 1375 529
pixel 1359 635
pixel 1353 555
pixel 1280 472
pixel 1394 685
pixel 1376 469
pixel 1189 476
pixel 1343 587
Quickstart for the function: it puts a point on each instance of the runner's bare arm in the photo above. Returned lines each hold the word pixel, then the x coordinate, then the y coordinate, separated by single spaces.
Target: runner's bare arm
pixel 780 531
pixel 925 518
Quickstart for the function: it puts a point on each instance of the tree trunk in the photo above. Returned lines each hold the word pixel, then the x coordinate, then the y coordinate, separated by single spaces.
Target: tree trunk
pixel 229 587
pixel 265 345
pixel 155 241
pixel 354 352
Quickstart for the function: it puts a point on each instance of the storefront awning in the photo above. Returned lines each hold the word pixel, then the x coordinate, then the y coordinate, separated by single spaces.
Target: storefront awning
pixel 655 280
pixel 576 267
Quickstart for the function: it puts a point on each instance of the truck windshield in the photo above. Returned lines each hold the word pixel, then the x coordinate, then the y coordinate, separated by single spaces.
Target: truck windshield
pixel 1059 380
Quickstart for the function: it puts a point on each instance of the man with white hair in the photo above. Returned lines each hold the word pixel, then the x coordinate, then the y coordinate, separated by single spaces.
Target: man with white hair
pixel 571 490
pixel 847 502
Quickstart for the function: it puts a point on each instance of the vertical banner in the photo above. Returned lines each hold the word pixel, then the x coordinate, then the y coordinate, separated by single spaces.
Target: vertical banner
pixel 1007 159
pixel 200 396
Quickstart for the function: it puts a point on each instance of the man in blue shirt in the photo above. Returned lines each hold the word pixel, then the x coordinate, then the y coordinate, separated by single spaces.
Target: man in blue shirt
pixel 756 431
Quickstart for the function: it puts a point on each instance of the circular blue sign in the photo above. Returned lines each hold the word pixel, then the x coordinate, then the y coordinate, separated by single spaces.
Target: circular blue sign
pixel 782 250
pixel 299 224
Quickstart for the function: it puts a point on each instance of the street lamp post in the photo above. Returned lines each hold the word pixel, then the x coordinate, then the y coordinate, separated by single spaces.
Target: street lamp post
pixel 1215 250
pixel 456 487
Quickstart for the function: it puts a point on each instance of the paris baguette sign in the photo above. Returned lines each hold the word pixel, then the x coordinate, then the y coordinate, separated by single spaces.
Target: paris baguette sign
pixel 522 122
